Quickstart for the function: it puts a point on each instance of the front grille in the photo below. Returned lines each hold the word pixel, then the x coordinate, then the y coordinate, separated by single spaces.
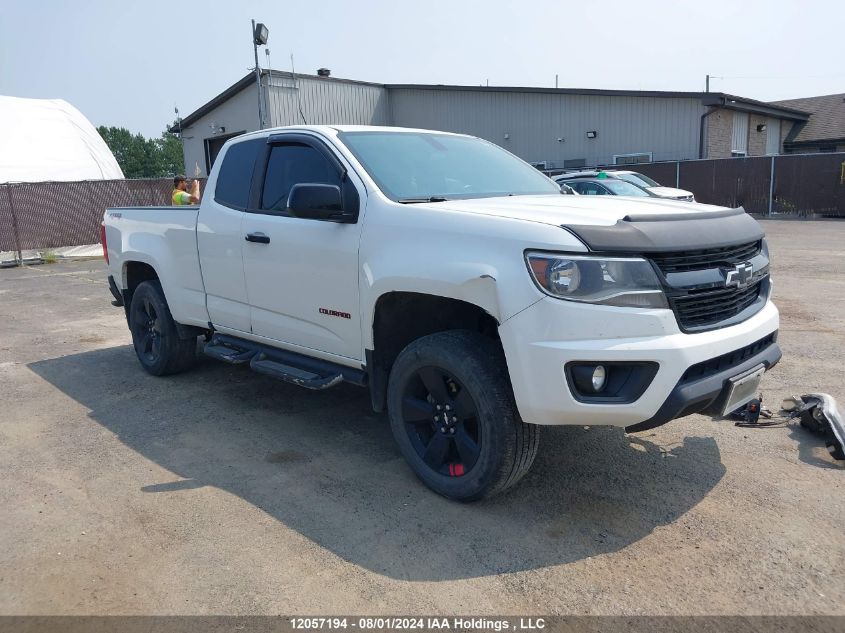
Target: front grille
pixel 725 361
pixel 699 310
pixel 708 258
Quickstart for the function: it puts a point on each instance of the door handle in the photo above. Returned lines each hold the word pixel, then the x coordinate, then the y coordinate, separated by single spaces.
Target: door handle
pixel 259 238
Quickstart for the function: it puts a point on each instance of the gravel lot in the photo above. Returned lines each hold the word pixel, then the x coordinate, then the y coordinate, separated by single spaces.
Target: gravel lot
pixel 222 491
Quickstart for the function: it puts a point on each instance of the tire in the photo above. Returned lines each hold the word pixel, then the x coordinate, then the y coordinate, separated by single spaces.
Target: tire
pixel 481 447
pixel 154 335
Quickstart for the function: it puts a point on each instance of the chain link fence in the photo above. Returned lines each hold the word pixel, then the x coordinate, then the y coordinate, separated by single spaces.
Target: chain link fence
pixel 43 215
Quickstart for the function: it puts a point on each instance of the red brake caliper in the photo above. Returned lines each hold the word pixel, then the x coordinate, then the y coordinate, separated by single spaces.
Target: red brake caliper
pixel 456 470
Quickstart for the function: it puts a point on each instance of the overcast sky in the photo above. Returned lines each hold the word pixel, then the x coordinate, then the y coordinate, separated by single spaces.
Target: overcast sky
pixel 128 64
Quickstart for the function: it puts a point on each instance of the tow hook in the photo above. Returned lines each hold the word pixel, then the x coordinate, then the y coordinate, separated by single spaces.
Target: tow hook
pixel 749 414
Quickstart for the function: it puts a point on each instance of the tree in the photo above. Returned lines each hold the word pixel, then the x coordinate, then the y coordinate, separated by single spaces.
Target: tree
pixel 128 150
pixel 141 157
pixel 171 156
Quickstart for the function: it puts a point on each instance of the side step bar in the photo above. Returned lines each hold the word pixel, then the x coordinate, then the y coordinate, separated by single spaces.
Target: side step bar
pixel 294 375
pixel 297 369
pixel 228 354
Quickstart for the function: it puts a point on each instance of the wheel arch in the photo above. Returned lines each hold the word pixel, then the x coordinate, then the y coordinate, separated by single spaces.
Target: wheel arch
pixel 134 273
pixel 401 317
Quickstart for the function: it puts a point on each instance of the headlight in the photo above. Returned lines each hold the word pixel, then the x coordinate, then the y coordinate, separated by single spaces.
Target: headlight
pixel 615 281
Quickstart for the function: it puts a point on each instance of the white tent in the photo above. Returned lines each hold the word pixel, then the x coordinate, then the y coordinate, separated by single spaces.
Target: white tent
pixel 49 139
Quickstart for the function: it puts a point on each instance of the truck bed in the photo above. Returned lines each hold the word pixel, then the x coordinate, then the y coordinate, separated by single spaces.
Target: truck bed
pixel 166 239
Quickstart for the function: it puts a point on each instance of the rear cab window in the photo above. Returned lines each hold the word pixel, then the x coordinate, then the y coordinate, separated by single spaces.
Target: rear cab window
pixel 235 177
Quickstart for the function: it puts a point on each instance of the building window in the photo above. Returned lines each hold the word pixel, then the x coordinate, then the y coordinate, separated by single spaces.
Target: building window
pixel 773 136
pixel 632 159
pixel 739 134
pixel 574 163
pixel 827 148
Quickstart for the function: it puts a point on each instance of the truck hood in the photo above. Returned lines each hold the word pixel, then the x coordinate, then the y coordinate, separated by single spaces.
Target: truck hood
pixel 560 210
pixel 670 192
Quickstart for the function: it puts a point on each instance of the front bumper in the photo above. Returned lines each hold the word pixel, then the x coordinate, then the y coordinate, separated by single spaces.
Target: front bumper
pixel 695 394
pixel 539 342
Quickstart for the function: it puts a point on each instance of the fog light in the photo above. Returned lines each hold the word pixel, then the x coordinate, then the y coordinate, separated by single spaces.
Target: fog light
pixel 609 382
pixel 599 378
pixel 589 378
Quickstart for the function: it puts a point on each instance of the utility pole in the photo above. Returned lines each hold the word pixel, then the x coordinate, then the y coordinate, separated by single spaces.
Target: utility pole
pixel 271 107
pixel 257 78
pixel 181 137
pixel 707 81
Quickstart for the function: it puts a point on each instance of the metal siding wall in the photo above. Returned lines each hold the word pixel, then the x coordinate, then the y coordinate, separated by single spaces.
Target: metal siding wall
pixel 240 113
pixel 666 127
pixel 327 102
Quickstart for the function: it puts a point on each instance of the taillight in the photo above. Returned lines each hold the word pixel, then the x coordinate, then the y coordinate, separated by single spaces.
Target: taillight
pixel 103 241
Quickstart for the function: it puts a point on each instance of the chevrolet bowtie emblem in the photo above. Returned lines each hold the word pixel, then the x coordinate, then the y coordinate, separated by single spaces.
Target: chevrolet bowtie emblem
pixel 740 276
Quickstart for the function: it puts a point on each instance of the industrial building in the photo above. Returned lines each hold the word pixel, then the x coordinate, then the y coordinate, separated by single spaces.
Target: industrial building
pixel 549 127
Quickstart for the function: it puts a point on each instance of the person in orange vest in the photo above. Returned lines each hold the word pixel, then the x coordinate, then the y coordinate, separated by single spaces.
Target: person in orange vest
pixel 180 194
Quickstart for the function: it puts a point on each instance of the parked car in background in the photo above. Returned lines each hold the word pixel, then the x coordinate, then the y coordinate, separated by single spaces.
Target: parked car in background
pixel 635 178
pixel 607 187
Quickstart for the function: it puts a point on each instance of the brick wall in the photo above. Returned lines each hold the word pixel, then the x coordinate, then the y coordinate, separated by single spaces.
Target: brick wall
pixel 719 129
pixel 756 140
pixel 718 134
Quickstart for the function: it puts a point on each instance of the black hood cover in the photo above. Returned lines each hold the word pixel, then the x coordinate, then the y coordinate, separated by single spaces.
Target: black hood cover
pixel 676 232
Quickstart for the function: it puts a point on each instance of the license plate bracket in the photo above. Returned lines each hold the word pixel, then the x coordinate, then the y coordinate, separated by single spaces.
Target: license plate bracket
pixel 743 388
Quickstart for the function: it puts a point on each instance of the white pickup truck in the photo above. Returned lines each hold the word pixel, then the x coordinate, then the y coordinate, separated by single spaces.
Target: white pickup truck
pixel 456 283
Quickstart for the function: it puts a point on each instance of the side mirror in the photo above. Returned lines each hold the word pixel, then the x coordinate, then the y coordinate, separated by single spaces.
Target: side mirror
pixel 317 202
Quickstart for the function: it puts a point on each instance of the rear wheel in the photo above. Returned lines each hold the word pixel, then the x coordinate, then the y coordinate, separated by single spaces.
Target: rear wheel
pixel 154 335
pixel 453 416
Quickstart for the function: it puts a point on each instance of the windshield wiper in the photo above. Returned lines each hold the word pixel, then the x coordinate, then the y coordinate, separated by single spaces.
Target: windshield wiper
pixel 418 200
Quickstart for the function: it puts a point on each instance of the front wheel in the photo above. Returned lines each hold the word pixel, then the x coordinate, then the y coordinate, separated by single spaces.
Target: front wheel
pixel 453 416
pixel 154 335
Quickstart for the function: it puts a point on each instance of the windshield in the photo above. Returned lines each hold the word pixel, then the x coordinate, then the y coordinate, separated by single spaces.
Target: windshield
pixel 622 188
pixel 638 179
pixel 417 166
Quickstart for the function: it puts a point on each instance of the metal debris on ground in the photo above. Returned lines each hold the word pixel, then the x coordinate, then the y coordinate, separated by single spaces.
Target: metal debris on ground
pixel 820 413
pixel 817 412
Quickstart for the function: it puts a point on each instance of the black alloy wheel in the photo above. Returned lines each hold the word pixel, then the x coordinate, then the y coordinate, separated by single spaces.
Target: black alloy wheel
pixel 454 418
pixel 146 330
pixel 155 335
pixel 441 420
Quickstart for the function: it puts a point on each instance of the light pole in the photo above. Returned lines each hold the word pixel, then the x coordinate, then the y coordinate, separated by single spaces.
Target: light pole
pixel 181 138
pixel 259 38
